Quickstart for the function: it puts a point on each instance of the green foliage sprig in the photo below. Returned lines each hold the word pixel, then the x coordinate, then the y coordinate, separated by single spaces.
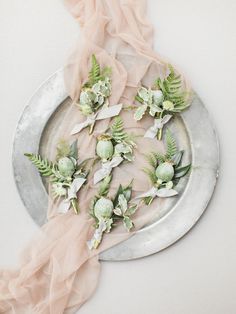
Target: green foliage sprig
pixel 107 212
pixel 96 91
pixel 172 89
pixel 165 170
pixel 44 166
pixel 63 172
pixel 97 74
pixel 121 143
pixel 164 100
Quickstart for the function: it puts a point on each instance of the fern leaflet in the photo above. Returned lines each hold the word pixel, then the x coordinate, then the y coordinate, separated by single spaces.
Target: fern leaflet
pixel 171 148
pixel 44 166
pixel 151 175
pixel 172 90
pixel 117 130
pixel 94 73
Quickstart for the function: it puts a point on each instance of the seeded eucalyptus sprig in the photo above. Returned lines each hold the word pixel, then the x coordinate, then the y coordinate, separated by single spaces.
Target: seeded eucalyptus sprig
pixel 165 171
pixel 66 173
pixel 113 148
pixel 107 212
pixel 165 99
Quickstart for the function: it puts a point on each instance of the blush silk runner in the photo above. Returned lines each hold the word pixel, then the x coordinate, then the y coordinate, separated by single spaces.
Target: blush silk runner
pixel 58 272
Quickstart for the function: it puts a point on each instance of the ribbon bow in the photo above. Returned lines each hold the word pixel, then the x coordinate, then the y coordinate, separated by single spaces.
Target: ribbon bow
pixel 101 115
pixel 106 169
pixel 154 192
pixel 158 124
pixel 71 194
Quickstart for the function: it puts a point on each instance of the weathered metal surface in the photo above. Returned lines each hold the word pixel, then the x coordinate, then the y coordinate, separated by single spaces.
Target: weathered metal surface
pixel 195 133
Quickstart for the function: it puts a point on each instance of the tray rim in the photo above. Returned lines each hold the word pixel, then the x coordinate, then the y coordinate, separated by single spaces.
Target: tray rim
pixel 141 243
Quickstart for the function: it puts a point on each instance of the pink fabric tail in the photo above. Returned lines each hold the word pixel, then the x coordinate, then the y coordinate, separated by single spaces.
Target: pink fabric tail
pixel 58 272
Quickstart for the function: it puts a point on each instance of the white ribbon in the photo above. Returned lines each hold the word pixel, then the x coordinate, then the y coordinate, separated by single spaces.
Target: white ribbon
pixel 106 169
pixel 71 194
pixel 158 124
pixel 105 113
pixel 97 236
pixel 154 192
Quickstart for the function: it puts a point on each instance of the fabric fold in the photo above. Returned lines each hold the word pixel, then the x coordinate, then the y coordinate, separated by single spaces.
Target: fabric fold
pixel 58 272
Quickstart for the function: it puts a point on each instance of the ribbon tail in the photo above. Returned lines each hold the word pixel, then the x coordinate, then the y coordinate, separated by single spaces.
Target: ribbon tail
pixel 75 187
pixel 79 127
pixel 152 192
pixel 64 206
pixel 101 174
pixel 151 133
pixel 109 112
pixel 166 192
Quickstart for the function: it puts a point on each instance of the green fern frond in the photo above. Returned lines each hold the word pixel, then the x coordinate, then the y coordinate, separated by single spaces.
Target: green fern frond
pixel 171 148
pixel 94 73
pixel 117 130
pixel 152 160
pixel 160 157
pixel 45 167
pixel 151 175
pixel 172 89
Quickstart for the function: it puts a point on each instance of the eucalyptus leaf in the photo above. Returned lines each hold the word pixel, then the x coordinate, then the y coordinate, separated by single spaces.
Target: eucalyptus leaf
pixel 74 150
pixel 177 158
pixel 182 171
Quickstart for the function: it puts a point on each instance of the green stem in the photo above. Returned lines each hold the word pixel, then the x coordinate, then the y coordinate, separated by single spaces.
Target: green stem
pixel 75 206
pixel 160 131
pixel 91 128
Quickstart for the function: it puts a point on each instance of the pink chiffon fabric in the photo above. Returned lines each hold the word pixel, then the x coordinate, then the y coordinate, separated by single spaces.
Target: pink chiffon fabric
pixel 58 272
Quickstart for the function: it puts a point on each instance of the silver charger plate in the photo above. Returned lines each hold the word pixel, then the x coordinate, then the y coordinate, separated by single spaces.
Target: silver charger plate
pixel 195 134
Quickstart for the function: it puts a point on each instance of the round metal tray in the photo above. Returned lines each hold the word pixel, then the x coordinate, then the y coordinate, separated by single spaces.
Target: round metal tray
pixel 195 134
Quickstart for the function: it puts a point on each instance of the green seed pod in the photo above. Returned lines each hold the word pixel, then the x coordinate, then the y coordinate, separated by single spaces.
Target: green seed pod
pixel 105 148
pixel 103 208
pixel 165 172
pixel 66 167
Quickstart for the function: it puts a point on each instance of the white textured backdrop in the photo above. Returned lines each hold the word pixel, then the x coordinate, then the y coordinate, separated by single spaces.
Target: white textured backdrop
pixel 198 274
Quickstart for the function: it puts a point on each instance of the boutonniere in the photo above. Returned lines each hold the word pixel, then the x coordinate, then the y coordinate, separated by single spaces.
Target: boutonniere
pixel 165 172
pixel 113 148
pixel 93 100
pixel 167 98
pixel 67 174
pixel 107 212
